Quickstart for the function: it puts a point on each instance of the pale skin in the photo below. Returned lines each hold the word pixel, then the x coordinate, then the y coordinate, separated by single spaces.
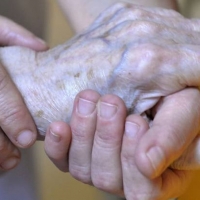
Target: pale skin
pixel 40 116
pixel 48 94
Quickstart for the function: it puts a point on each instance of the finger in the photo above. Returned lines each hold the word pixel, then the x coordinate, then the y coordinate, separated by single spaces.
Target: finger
pixel 83 125
pixel 9 154
pixel 135 9
pixel 106 164
pixel 175 125
pixel 14 34
pixel 149 30
pixel 146 17
pixel 119 14
pixel 57 142
pixel 136 186
pixel 15 119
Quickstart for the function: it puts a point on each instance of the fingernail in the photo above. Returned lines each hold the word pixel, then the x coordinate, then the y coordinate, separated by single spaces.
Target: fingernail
pixel 25 138
pixel 55 137
pixel 9 163
pixel 131 129
pixel 107 110
pixel 157 158
pixel 86 107
pixel 41 41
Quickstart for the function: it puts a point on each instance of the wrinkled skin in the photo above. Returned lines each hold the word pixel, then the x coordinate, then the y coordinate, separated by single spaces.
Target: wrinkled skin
pixel 126 49
pixel 132 55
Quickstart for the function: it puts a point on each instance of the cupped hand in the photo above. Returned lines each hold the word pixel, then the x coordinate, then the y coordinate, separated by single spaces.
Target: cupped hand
pixel 106 145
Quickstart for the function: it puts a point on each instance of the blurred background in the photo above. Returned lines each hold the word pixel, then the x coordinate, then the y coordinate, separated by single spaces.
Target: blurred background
pixel 51 25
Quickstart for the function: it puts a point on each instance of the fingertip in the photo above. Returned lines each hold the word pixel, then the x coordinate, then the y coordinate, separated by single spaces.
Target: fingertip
pixel 85 104
pixel 10 163
pixel 111 107
pixel 57 134
pixel 28 40
pixel 112 99
pixel 135 126
pixel 57 141
pixel 26 138
pixel 89 94
pixel 150 158
pixel 32 42
pixel 59 129
pixel 12 33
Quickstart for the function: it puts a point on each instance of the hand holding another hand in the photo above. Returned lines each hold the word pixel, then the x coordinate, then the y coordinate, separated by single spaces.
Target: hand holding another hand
pixel 104 144
pixel 158 51
pixel 135 56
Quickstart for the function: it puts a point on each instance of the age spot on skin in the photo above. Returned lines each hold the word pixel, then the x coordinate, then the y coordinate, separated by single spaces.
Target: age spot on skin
pixel 90 74
pixel 77 75
pixel 60 85
pixel 39 113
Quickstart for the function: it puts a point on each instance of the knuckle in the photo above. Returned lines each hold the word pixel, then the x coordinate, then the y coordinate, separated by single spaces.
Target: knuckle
pixel 105 182
pixel 149 58
pixel 149 51
pixel 147 27
pixel 127 158
pixel 79 133
pixel 80 173
pixel 114 8
pixel 172 13
pixel 13 114
pixel 3 80
pixel 119 5
pixel 125 27
pixel 138 13
pixel 107 139
pixel 128 14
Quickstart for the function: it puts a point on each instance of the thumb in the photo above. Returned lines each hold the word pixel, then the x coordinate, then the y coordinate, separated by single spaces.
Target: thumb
pixel 174 127
pixel 14 34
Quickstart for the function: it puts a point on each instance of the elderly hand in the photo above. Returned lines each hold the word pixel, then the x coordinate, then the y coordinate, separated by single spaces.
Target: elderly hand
pixel 131 55
pixel 15 119
pixel 152 49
